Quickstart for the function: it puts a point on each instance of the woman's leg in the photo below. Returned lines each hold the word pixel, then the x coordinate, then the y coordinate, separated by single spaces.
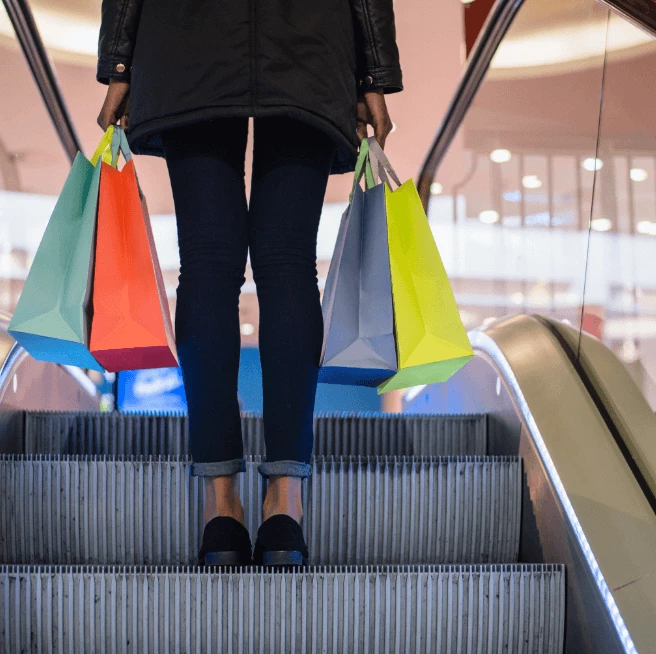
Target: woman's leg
pixel 291 165
pixel 206 167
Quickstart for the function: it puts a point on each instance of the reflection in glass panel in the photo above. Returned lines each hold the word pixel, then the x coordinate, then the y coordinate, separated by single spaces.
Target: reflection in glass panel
pixel 621 286
pixel 517 191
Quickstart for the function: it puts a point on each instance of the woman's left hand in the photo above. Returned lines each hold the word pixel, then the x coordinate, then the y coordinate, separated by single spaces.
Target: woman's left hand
pixel 373 111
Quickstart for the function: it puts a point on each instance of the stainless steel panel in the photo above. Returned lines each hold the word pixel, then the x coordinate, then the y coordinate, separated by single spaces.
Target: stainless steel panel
pixel 29 384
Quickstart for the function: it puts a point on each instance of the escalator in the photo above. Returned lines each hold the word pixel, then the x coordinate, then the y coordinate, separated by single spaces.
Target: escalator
pixel 511 509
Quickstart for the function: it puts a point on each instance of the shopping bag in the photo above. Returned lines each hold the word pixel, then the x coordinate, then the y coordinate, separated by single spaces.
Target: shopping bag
pixel 53 314
pixel 131 327
pixel 431 340
pixel 358 346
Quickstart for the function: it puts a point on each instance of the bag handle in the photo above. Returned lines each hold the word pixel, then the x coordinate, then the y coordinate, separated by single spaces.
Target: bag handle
pixel 379 157
pixel 104 147
pixel 362 165
pixel 119 144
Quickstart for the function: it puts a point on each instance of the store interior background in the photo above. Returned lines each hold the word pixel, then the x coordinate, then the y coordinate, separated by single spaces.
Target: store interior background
pixel 508 208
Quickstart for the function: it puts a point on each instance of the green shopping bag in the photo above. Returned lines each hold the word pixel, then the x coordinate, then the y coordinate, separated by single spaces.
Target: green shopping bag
pixel 431 340
pixel 53 314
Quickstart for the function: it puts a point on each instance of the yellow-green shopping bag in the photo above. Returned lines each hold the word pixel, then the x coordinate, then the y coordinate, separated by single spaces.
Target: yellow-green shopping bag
pixel 432 342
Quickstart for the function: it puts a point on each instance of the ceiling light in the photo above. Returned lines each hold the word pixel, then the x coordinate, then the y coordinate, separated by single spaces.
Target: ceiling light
pixel 592 164
pixel 601 224
pixel 629 350
pixel 638 174
pixel 531 181
pixel 501 155
pixel 247 329
pixel 646 227
pixel 489 216
pixel 436 188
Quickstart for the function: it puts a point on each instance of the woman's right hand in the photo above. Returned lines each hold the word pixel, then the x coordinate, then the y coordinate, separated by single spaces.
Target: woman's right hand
pixel 373 111
pixel 116 106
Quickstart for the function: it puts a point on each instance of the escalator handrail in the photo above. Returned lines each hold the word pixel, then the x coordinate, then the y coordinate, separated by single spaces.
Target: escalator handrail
pixel 38 60
pixel 498 21
pixel 641 14
pixel 485 342
pixel 641 473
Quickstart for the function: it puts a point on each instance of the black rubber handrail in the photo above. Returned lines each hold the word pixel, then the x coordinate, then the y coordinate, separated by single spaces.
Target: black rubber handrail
pixel 32 46
pixel 498 21
pixel 639 12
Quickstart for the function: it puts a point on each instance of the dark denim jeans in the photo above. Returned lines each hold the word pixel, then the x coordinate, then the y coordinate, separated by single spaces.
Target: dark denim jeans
pixel 216 230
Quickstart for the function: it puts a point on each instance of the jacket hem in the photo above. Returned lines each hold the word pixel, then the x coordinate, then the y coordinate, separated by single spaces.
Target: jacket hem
pixel 144 138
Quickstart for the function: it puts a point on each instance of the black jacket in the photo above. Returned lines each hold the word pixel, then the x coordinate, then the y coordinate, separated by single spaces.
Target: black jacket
pixel 190 60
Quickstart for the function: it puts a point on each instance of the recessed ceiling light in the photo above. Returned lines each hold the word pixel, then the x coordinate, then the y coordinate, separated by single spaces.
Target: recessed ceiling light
pixel 531 181
pixel 501 155
pixel 247 329
pixel 489 216
pixel 601 224
pixel 592 164
pixel 646 227
pixel 436 188
pixel 638 174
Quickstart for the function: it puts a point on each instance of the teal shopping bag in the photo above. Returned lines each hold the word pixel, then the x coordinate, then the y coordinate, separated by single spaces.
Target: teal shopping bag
pixel 53 314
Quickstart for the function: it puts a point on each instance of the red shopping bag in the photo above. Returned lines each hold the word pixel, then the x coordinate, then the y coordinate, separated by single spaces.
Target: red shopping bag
pixel 131 326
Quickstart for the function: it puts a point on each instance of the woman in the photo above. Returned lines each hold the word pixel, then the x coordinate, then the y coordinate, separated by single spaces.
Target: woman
pixel 183 77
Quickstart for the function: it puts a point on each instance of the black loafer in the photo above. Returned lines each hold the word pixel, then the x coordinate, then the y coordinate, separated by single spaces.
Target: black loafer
pixel 280 542
pixel 225 542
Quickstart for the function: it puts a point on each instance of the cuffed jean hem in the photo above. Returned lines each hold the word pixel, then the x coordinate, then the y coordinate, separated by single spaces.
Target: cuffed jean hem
pixel 218 468
pixel 284 469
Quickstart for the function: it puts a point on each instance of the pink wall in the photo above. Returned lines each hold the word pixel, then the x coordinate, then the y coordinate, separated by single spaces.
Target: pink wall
pixel 430 40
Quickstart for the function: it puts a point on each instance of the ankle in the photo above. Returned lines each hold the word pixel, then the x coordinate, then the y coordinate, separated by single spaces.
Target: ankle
pixel 222 499
pixel 283 496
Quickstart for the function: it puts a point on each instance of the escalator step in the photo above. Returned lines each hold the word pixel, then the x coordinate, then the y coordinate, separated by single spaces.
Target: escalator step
pixel 447 609
pixel 358 510
pixel 335 434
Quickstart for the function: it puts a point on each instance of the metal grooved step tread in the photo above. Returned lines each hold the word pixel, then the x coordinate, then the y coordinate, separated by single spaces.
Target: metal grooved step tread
pixel 450 610
pixel 358 510
pixel 335 434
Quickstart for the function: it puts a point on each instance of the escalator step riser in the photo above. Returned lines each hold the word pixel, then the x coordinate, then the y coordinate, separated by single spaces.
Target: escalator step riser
pixel 358 510
pixel 335 434
pixel 500 609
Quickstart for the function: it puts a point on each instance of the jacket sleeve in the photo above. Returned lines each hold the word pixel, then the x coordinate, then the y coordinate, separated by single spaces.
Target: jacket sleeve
pixel 377 54
pixel 118 33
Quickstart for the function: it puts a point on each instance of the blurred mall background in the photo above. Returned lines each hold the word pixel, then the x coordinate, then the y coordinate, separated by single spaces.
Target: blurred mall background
pixel 541 205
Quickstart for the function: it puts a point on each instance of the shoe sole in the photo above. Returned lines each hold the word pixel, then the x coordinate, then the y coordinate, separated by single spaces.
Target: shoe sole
pixel 283 557
pixel 226 558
